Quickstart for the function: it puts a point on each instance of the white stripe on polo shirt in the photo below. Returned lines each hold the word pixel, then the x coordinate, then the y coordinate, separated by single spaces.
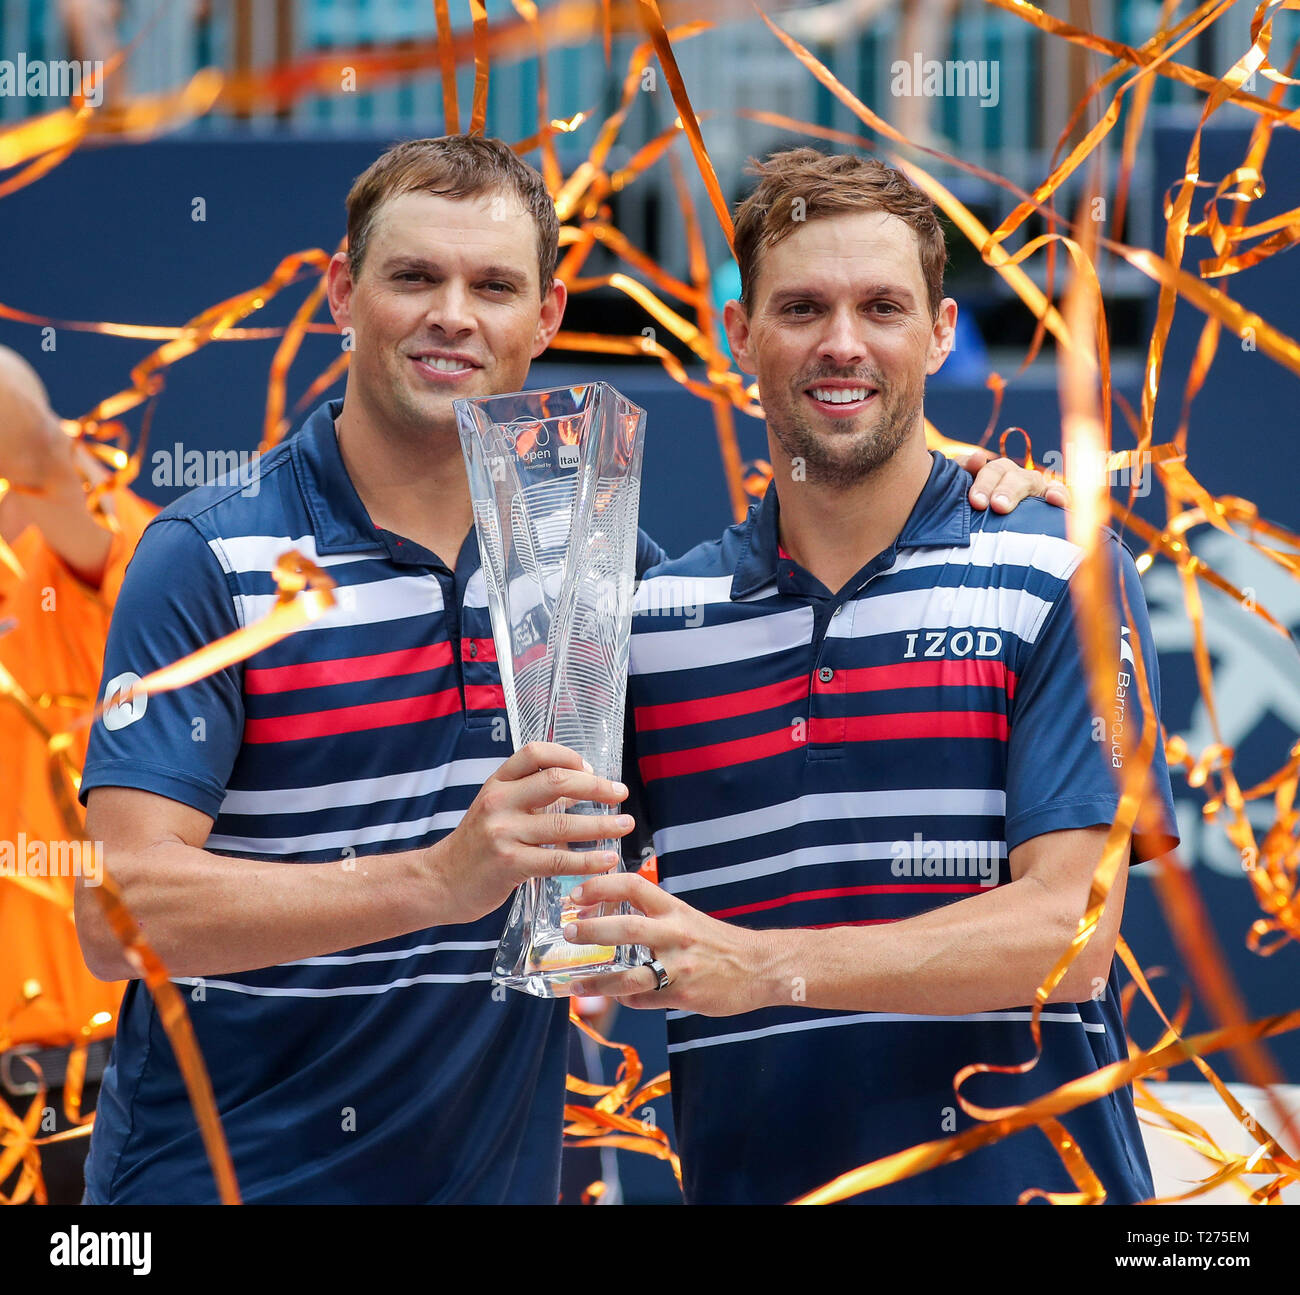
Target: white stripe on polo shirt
pixel 242 553
pixel 309 843
pixel 873 1018
pixel 378 602
pixel 392 955
pixel 1014 611
pixel 1047 553
pixel 361 791
pixel 809 856
pixel 691 649
pixel 662 595
pixel 832 805
pixel 337 991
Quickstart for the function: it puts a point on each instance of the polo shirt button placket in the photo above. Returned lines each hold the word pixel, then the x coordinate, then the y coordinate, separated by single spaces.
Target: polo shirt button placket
pixel 833 728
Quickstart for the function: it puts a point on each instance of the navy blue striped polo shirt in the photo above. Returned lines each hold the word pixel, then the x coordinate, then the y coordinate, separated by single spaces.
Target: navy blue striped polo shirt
pixel 812 760
pixel 388 1073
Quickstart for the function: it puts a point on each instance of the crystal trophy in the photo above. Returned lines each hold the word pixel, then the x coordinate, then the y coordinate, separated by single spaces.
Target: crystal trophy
pixel 554 476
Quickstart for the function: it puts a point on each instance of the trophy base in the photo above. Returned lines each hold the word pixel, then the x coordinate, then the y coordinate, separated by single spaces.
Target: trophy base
pixel 535 958
pixel 548 982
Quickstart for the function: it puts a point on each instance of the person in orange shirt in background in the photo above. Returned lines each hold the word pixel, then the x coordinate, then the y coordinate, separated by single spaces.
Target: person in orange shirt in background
pixel 53 625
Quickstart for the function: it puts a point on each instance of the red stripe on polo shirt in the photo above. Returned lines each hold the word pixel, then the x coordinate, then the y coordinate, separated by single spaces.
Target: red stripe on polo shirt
pixel 717 755
pixel 827 730
pixel 837 892
pixel 484 696
pixel 353 719
pixel 905 727
pixel 726 706
pixel 478 650
pixel 747 701
pixel 348 669
pixel 963 672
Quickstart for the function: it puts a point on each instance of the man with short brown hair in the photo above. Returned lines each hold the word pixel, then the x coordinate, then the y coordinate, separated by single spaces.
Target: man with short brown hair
pixel 803 184
pixel 877 788
pixel 454 166
pixel 320 841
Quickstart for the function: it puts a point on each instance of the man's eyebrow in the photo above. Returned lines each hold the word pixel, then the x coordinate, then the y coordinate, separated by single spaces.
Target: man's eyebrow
pixel 508 272
pixel 873 290
pixel 411 261
pixel 896 290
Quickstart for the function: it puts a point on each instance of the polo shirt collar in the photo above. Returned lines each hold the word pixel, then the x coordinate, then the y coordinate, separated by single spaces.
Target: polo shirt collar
pixel 339 518
pixel 941 516
pixel 758 554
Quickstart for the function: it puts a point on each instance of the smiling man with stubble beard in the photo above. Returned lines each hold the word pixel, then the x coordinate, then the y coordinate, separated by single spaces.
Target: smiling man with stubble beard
pixel 870 762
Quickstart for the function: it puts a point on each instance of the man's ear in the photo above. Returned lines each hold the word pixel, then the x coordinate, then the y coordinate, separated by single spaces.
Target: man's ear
pixel 735 320
pixel 548 322
pixel 942 335
pixel 339 287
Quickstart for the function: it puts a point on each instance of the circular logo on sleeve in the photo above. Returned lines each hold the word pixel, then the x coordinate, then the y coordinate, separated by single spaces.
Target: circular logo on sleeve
pixel 119 713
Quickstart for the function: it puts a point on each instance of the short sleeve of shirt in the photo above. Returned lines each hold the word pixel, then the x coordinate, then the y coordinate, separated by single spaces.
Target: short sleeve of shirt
pixel 179 744
pixel 132 515
pixel 1064 764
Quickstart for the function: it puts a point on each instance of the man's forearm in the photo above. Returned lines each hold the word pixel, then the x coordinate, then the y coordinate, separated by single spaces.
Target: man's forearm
pixel 205 914
pixel 985 953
